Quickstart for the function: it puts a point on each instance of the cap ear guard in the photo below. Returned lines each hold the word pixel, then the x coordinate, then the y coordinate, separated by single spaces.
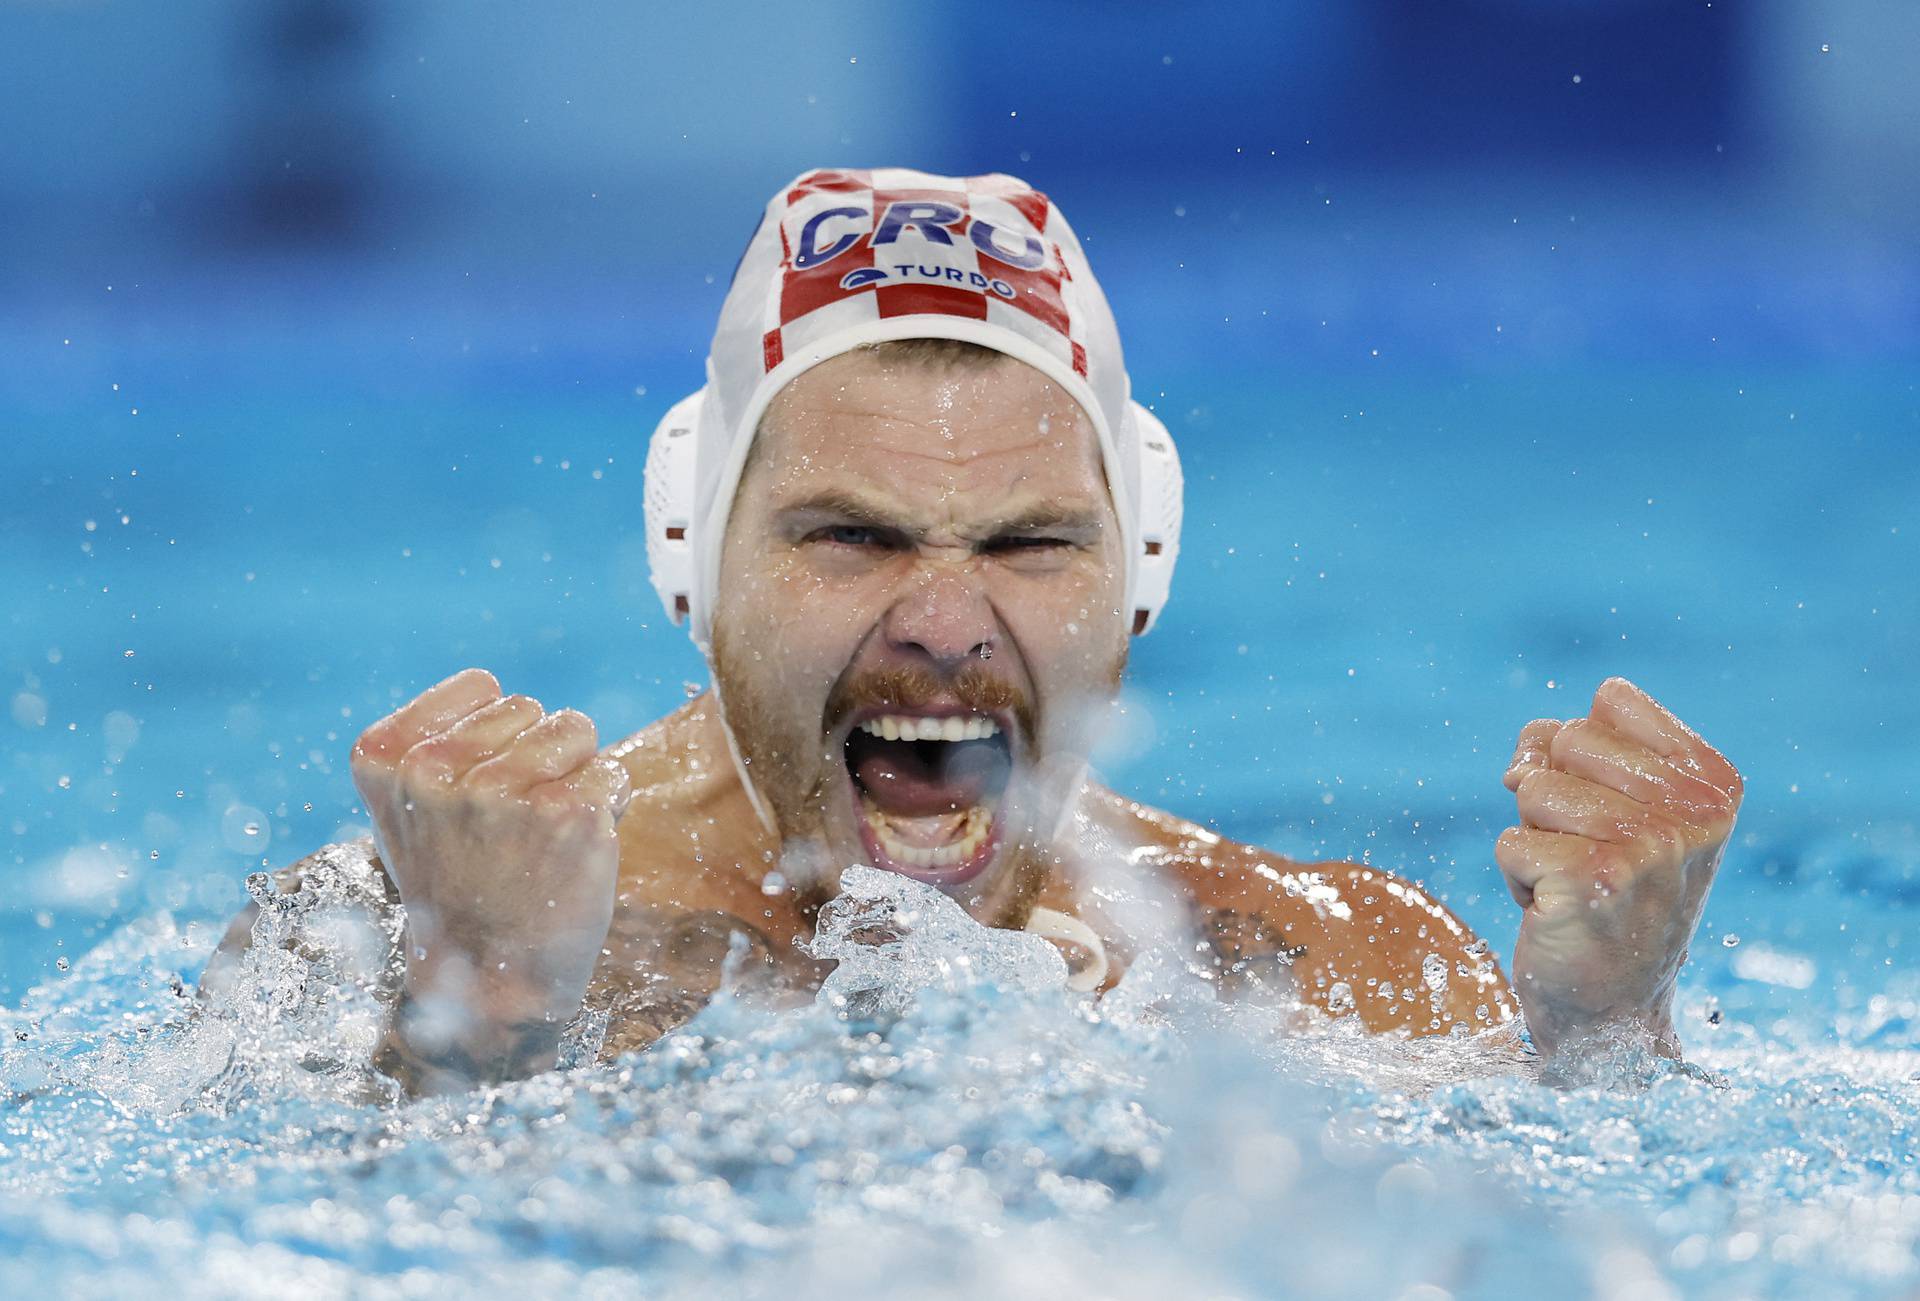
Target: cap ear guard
pixel 1160 509
pixel 670 499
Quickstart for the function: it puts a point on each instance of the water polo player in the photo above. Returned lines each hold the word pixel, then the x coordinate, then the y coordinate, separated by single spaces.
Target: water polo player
pixel 913 520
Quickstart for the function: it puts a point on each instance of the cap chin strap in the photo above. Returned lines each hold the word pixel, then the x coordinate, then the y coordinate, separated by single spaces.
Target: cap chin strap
pixel 1051 925
pixel 760 808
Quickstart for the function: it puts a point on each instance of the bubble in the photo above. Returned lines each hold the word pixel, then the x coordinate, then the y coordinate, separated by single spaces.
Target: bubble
pixel 121 730
pixel 245 829
pixel 29 710
pixel 1729 941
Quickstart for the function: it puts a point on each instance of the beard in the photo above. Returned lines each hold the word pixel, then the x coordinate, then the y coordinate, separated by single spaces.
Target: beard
pixel 793 763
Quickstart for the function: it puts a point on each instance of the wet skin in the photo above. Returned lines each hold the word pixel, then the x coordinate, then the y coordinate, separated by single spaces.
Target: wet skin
pixel 693 859
pixel 949 525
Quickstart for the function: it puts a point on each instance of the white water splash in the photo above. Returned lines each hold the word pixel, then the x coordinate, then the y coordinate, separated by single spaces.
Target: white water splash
pixel 895 938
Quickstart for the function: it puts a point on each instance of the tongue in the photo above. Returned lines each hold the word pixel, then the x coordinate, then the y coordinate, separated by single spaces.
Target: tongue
pixel 918 779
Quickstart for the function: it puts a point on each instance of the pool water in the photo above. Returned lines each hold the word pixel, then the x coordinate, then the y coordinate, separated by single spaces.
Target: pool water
pixel 937 1127
pixel 1388 570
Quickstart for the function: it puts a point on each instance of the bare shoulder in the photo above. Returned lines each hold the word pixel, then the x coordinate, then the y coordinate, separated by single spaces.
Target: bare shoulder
pixel 1354 938
pixel 690 837
pixel 684 748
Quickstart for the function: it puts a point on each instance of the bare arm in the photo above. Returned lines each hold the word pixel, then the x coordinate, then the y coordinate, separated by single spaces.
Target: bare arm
pixel 1624 817
pixel 496 822
pixel 1354 940
pixel 495 825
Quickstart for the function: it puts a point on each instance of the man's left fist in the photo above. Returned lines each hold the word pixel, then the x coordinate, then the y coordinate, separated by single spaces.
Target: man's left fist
pixel 1623 817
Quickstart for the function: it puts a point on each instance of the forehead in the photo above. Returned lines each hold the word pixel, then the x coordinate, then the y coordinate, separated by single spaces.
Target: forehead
pixel 923 427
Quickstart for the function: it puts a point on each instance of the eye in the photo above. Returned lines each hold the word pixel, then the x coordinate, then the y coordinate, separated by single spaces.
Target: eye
pixel 849 535
pixel 1024 543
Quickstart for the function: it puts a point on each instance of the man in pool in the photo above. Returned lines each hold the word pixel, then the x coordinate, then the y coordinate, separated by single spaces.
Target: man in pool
pixel 913 520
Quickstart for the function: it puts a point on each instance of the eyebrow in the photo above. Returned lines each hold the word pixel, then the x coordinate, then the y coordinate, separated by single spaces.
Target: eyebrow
pixel 856 508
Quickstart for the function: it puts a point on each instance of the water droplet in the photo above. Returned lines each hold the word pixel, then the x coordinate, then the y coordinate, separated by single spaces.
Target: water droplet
pixel 61 963
pixel 1340 998
pixel 1729 941
pixel 244 829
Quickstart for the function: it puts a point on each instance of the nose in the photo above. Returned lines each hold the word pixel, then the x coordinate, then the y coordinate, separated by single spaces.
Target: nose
pixel 944 618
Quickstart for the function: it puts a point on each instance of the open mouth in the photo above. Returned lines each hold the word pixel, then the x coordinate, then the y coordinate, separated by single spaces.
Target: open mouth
pixel 927 791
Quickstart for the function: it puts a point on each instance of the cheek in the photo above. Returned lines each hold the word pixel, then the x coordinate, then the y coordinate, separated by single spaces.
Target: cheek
pixel 804 626
pixel 1069 629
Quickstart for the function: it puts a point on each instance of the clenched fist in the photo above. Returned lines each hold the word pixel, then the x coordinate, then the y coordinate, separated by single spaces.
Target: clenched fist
pixel 1624 815
pixel 495 820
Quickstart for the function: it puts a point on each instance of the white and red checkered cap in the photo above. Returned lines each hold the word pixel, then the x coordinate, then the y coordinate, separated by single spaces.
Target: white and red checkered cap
pixel 857 256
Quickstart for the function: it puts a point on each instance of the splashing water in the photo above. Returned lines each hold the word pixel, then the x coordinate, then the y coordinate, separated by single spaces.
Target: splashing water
pixel 945 1119
pixel 895 939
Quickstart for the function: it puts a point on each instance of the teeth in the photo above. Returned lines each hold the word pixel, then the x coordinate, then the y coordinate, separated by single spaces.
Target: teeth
pixel 974 825
pixel 903 727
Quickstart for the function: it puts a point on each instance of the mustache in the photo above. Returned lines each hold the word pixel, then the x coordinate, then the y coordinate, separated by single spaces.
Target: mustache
pixel 908 690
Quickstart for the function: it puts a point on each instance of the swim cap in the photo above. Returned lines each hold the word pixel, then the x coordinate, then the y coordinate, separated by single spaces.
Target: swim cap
pixel 857 256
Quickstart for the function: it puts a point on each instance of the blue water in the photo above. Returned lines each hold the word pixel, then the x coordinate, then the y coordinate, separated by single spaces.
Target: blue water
pixel 1391 563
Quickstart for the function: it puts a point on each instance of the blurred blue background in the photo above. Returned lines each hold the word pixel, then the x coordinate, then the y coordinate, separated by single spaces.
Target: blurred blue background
pixel 1510 345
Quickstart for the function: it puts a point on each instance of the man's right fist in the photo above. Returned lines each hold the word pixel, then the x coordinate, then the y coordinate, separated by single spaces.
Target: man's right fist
pixel 495 820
